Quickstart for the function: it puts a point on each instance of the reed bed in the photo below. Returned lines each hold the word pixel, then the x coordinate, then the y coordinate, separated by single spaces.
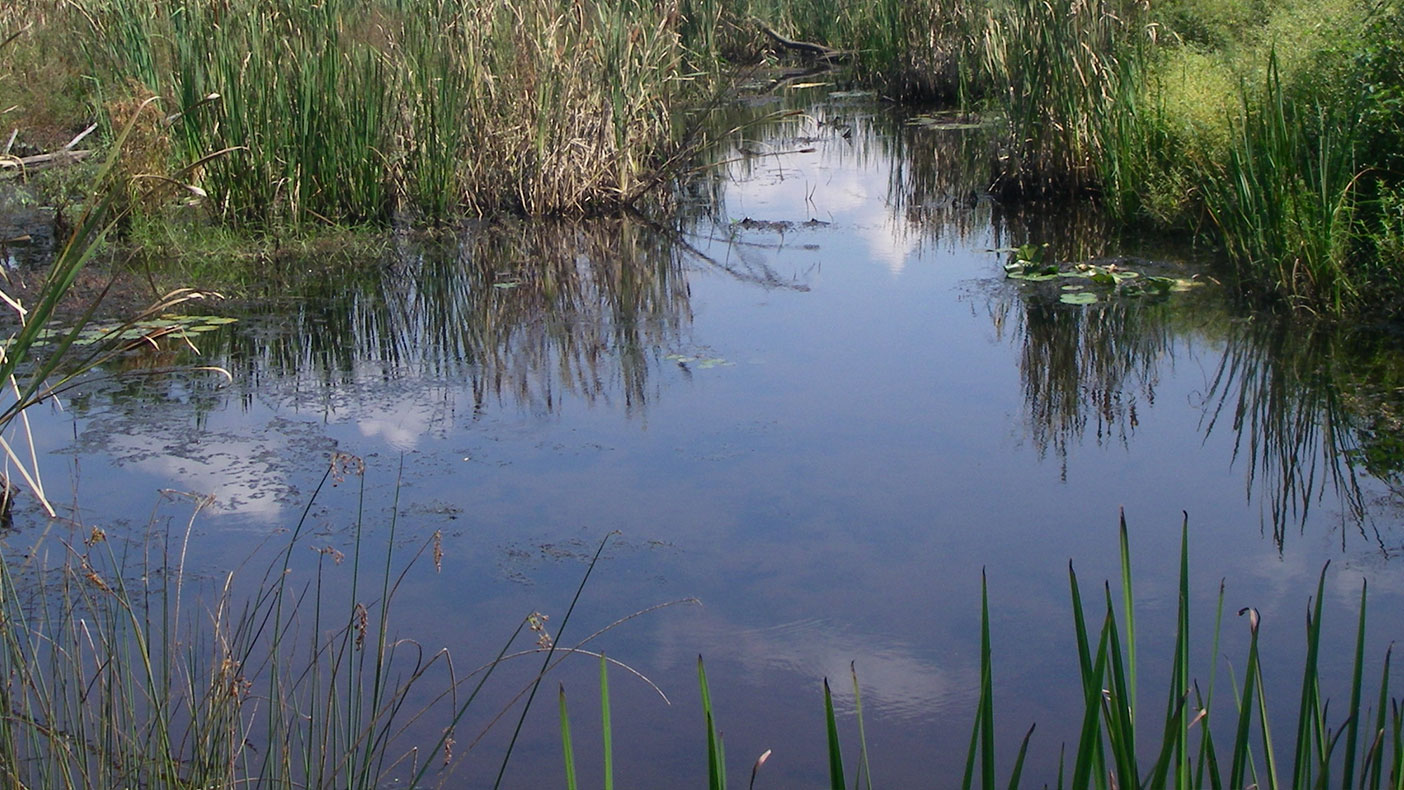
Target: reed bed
pixel 117 679
pixel 1291 174
pixel 365 110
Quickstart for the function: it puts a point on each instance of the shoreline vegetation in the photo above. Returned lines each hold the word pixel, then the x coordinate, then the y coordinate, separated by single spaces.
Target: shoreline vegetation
pixel 277 114
pixel 1272 127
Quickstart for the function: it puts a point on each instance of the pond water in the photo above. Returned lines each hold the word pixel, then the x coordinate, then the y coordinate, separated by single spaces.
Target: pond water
pixel 812 401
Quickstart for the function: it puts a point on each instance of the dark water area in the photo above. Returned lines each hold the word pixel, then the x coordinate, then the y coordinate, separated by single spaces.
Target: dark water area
pixel 813 402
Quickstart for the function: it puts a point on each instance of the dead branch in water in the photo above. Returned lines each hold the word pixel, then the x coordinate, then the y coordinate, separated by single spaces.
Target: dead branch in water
pixel 807 49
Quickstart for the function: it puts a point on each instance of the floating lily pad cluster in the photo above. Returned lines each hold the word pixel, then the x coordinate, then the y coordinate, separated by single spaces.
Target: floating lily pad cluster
pixel 1090 282
pixel 160 326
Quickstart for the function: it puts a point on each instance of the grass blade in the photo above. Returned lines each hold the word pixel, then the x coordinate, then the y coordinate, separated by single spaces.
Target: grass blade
pixel 1242 756
pixel 1309 712
pixel 566 745
pixel 836 778
pixel 1357 673
pixel 1018 771
pixel 716 765
pixel 550 652
pixel 606 729
pixel 864 765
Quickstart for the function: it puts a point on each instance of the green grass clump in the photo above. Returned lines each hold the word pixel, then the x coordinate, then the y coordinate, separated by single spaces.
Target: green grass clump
pixel 1187 739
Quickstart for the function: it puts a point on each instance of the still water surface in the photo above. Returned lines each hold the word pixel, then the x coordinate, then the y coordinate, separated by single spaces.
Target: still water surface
pixel 812 402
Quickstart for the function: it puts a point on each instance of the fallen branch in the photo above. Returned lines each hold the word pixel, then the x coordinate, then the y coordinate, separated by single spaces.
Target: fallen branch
pixel 11 165
pixel 806 48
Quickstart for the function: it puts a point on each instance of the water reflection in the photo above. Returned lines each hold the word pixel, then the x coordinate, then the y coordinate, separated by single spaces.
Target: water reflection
pixel 523 313
pixel 850 466
pixel 1085 367
pixel 811 154
pixel 1309 404
pixel 1306 402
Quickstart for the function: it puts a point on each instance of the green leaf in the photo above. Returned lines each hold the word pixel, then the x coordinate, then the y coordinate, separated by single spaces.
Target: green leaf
pixel 1078 298
pixel 836 778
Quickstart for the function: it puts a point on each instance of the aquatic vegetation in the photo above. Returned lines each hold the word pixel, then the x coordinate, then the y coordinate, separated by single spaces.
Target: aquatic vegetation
pixel 1109 278
pixel 1281 161
pixel 1358 745
pixel 1186 115
pixel 1120 743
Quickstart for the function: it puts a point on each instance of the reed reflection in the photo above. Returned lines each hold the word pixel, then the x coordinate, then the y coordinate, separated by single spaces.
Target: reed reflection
pixel 928 178
pixel 1085 369
pixel 525 312
pixel 1313 407
pixel 519 313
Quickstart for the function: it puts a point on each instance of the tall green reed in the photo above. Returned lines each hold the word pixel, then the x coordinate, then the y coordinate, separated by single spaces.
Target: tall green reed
pixel 1328 748
pixel 1059 70
pixel 1284 201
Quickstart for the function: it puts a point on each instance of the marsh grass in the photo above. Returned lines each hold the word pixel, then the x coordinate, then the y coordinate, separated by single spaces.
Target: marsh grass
pixel 39 93
pixel 128 668
pixel 1183 115
pixel 1063 72
pixel 353 111
pixel 118 677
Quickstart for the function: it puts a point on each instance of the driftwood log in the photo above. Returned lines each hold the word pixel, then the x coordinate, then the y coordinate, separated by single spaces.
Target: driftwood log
pixel 11 165
pixel 805 49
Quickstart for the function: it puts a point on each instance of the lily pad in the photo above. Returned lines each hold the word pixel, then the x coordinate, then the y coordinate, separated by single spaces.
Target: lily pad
pixel 1091 281
pixel 942 126
pixel 1078 298
pixel 137 330
pixel 702 363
